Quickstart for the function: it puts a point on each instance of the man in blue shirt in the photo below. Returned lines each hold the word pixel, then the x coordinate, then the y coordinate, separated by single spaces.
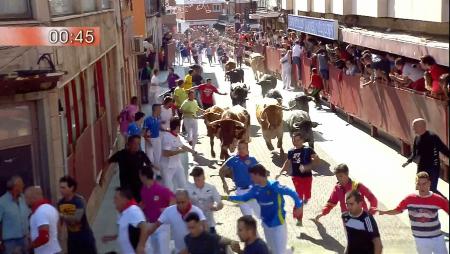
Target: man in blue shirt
pixel 152 127
pixel 134 128
pixel 236 168
pixel 14 214
pixel 269 195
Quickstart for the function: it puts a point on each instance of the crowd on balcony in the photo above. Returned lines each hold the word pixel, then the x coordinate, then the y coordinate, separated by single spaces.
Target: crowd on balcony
pixel 424 76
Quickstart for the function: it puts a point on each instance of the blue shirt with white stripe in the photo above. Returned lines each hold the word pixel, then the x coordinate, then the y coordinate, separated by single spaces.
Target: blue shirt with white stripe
pixel 134 129
pixel 240 167
pixel 270 199
pixel 154 125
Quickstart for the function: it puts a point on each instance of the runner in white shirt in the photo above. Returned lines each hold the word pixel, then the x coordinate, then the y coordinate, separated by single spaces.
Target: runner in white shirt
pixel 172 169
pixel 205 196
pixel 174 216
pixel 130 219
pixel 43 222
pixel 166 113
pixel 154 90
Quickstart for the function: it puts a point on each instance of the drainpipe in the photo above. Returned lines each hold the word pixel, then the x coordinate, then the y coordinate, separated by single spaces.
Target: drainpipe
pixel 63 130
pixel 122 32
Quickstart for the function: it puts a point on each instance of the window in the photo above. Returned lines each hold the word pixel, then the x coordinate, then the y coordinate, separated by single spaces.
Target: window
pixel 106 4
pixel 217 7
pixel 16 122
pixel 14 9
pixel 74 102
pixel 61 7
pixel 88 5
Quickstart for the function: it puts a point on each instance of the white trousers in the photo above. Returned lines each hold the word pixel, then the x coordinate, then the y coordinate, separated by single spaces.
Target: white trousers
pixel 191 126
pixel 435 245
pixel 276 238
pixel 287 77
pixel 249 208
pixel 174 177
pixel 153 94
pixel 159 241
pixel 153 150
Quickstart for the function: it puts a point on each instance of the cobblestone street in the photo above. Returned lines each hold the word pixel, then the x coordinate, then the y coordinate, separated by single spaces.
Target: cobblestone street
pixel 369 160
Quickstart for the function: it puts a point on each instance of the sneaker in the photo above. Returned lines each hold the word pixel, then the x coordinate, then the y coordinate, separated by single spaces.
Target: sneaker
pixel 299 223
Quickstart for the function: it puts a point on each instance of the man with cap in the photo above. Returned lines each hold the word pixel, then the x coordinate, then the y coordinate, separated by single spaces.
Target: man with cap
pixel 205 196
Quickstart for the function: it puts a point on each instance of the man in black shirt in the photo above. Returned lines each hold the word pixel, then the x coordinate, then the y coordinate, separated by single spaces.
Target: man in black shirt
pixel 200 241
pixel 72 210
pixel 130 160
pixel 361 227
pixel 427 146
pixel 247 232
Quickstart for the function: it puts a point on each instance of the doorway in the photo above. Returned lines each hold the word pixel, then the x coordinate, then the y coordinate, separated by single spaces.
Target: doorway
pixel 18 143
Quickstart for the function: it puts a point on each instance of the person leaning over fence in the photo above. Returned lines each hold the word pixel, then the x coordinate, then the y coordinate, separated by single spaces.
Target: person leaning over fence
pixel 317 86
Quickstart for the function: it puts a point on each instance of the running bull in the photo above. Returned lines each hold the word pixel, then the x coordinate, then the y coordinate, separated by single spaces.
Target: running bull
pixel 232 127
pixel 267 83
pixel 238 94
pixel 299 121
pixel 257 63
pixel 235 76
pixel 212 114
pixel 269 114
pixel 300 102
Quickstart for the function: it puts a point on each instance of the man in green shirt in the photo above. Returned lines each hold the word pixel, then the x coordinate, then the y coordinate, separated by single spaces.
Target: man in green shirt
pixel 190 108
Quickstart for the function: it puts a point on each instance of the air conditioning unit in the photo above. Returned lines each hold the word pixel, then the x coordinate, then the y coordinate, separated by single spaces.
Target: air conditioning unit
pixel 138 45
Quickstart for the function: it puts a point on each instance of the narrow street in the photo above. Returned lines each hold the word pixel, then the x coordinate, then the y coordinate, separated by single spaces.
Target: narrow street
pixel 370 161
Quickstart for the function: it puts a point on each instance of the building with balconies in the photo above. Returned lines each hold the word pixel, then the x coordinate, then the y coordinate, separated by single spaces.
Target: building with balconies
pixel 198 13
pixel 69 127
pixel 409 28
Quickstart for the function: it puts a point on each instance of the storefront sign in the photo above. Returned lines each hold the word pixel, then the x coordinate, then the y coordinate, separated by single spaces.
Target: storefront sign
pixel 326 28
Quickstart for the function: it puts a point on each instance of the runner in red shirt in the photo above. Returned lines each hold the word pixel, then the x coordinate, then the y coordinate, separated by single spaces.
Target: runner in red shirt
pixel 317 85
pixel 206 93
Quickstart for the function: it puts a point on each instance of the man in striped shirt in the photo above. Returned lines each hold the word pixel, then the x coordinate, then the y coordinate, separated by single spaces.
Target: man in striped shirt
pixel 362 230
pixel 423 214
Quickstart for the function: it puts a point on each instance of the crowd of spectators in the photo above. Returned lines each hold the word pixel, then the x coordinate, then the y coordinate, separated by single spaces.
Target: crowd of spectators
pixel 424 76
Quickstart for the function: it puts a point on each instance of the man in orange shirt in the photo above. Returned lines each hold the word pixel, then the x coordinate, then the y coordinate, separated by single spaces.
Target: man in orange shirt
pixel 317 85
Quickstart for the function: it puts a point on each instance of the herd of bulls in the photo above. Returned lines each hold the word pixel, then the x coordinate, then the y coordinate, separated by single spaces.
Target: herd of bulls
pixel 230 125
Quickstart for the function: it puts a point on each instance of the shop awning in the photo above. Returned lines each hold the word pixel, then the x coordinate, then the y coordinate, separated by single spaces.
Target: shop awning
pixel 397 43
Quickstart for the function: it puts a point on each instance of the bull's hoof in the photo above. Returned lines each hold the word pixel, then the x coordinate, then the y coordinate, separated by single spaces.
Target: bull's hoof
pixel 270 146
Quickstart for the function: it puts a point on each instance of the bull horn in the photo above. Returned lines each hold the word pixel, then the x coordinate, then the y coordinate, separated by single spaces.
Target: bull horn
pixel 217 122
pixel 210 113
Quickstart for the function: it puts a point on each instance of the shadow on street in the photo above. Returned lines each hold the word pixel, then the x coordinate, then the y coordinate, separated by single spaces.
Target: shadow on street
pixel 327 241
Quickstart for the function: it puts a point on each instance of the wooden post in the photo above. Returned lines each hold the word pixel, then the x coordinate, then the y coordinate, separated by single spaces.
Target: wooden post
pixel 333 107
pixel 349 118
pixel 405 148
pixel 373 131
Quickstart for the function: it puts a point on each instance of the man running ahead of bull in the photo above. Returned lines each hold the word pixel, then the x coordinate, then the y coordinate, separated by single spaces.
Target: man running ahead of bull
pixel 237 168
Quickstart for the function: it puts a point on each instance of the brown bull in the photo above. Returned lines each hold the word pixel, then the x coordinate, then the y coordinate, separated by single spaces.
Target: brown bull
pixel 257 64
pixel 269 114
pixel 212 114
pixel 232 127
pixel 230 66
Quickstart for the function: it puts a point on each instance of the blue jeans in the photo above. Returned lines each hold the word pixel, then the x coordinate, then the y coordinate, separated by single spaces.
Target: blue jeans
pixel 296 61
pixel 15 246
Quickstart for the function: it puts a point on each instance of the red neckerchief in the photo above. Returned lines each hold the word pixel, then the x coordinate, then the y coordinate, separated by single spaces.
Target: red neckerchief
pixel 183 213
pixel 174 134
pixel 130 203
pixel 38 204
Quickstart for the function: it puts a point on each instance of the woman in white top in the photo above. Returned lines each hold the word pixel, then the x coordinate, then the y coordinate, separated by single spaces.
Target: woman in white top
pixel 154 90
